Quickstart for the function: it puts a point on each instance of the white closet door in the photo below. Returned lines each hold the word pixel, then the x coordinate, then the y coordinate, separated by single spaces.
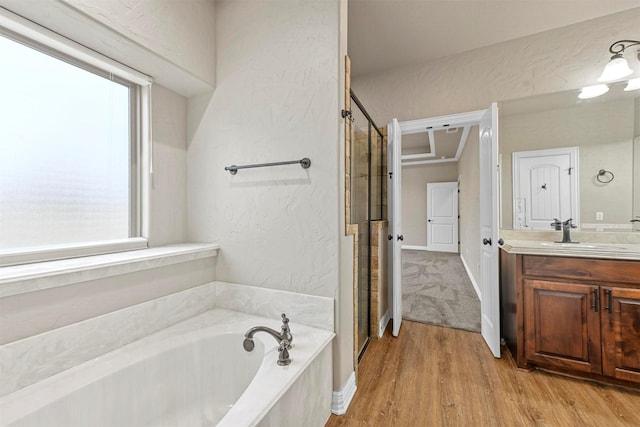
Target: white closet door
pixel 442 217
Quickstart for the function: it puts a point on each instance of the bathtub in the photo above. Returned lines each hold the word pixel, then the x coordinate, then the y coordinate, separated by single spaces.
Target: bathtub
pixel 194 373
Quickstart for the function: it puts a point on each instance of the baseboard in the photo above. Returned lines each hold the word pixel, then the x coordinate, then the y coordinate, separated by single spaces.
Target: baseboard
pixel 342 398
pixel 415 248
pixel 384 321
pixel 473 281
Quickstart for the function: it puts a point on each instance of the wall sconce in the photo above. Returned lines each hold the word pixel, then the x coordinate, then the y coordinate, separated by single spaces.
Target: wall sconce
pixel 618 67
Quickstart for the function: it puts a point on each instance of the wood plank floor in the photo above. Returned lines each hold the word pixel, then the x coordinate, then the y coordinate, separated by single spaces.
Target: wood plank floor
pixel 435 376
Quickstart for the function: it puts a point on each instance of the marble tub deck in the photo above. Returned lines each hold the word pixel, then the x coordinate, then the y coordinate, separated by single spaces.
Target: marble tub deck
pixel 266 389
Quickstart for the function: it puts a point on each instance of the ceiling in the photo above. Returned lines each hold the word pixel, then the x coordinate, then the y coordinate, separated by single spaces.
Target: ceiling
pixel 384 34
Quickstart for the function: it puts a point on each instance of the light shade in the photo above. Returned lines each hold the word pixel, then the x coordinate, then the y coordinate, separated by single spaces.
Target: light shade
pixel 593 91
pixel 633 84
pixel 617 68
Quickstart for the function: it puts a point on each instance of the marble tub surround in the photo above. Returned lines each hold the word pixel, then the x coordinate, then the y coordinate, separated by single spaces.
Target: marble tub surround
pixel 29 360
pixel 576 235
pixel 18 279
pixel 629 251
pixel 311 359
pixel 305 309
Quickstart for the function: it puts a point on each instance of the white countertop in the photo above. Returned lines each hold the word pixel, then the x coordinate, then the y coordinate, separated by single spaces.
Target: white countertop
pixel 626 251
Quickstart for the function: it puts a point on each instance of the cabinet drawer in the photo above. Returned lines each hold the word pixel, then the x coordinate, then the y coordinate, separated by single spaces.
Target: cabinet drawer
pixel 585 269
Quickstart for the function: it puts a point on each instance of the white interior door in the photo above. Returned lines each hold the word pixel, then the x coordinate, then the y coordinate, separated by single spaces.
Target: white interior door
pixel 545 187
pixel 394 153
pixel 489 286
pixel 442 217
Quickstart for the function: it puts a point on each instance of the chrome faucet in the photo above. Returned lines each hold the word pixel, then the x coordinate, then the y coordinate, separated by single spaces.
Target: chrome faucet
pixel 566 231
pixel 284 339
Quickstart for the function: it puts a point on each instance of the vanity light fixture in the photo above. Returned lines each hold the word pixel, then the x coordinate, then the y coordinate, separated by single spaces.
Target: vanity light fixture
pixel 618 67
pixel 593 91
pixel 633 84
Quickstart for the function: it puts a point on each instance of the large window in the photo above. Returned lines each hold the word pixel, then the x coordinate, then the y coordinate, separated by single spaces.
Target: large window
pixel 69 148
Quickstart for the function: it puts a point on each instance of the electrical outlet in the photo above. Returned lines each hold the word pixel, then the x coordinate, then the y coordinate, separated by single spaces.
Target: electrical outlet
pixel 599 216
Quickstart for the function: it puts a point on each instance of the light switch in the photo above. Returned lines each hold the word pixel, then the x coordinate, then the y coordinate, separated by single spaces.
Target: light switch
pixel 599 216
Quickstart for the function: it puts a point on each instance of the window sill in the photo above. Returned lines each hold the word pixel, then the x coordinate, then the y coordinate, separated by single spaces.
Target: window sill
pixel 25 278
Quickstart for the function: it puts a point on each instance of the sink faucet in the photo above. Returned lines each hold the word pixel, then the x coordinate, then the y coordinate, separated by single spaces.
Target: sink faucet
pixel 566 231
pixel 556 224
pixel 284 339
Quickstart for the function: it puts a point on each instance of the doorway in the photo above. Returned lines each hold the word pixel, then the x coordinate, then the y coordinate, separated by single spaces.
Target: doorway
pixel 486 250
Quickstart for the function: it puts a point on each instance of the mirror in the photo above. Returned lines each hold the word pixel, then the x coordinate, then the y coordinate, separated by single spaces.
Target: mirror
pixel 606 131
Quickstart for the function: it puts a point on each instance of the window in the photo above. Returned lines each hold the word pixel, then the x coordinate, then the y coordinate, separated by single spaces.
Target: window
pixel 69 155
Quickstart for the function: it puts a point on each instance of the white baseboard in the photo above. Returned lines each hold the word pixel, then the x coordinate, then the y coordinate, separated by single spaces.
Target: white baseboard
pixel 473 281
pixel 415 248
pixel 342 398
pixel 384 321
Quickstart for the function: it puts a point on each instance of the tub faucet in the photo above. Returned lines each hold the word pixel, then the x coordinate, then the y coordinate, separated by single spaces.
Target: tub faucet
pixel 566 231
pixel 284 339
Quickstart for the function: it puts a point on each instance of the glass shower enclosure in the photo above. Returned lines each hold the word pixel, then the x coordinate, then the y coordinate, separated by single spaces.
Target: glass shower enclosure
pixel 368 185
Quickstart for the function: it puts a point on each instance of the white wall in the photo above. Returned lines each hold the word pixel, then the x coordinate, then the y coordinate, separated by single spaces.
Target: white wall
pixel 551 61
pixel 277 98
pixel 181 31
pixel 469 203
pixel 171 41
pixel 414 198
pixel 168 192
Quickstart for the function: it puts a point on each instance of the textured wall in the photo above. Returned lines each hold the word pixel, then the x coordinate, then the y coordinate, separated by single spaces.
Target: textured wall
pixel 555 60
pixel 181 31
pixel 168 219
pixel 277 98
pixel 414 198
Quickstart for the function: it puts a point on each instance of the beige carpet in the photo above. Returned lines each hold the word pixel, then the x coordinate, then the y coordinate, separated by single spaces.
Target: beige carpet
pixel 437 290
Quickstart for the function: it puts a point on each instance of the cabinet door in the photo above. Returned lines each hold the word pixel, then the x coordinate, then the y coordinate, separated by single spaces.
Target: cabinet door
pixel 562 325
pixel 621 333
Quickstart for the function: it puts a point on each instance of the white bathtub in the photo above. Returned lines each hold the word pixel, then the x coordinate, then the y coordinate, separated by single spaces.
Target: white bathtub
pixel 195 373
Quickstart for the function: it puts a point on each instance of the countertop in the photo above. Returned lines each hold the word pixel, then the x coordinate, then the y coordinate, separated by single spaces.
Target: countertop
pixel 625 251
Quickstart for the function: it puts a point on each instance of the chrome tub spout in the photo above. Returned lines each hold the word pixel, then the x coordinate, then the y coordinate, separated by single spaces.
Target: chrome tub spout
pixel 284 339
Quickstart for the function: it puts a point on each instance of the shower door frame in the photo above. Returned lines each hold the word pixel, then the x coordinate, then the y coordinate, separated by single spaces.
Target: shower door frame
pixel 360 350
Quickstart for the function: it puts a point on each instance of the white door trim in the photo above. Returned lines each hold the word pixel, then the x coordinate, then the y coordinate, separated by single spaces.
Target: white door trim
pixel 394 152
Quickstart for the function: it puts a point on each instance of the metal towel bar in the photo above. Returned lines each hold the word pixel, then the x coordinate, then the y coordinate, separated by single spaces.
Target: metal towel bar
pixel 233 169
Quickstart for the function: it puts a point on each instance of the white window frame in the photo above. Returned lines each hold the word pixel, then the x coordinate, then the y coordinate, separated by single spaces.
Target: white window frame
pixel 40 38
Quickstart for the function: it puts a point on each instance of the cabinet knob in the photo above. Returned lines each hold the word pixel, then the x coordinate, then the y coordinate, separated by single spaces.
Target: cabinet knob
pixel 486 241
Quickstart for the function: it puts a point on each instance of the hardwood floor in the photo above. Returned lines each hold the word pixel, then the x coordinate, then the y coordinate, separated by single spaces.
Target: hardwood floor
pixel 435 376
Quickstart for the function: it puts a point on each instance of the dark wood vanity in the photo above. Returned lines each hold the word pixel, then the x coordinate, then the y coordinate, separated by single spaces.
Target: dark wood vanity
pixel 578 316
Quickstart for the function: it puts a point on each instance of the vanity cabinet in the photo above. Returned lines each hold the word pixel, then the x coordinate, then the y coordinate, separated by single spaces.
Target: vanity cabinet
pixel 573 315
